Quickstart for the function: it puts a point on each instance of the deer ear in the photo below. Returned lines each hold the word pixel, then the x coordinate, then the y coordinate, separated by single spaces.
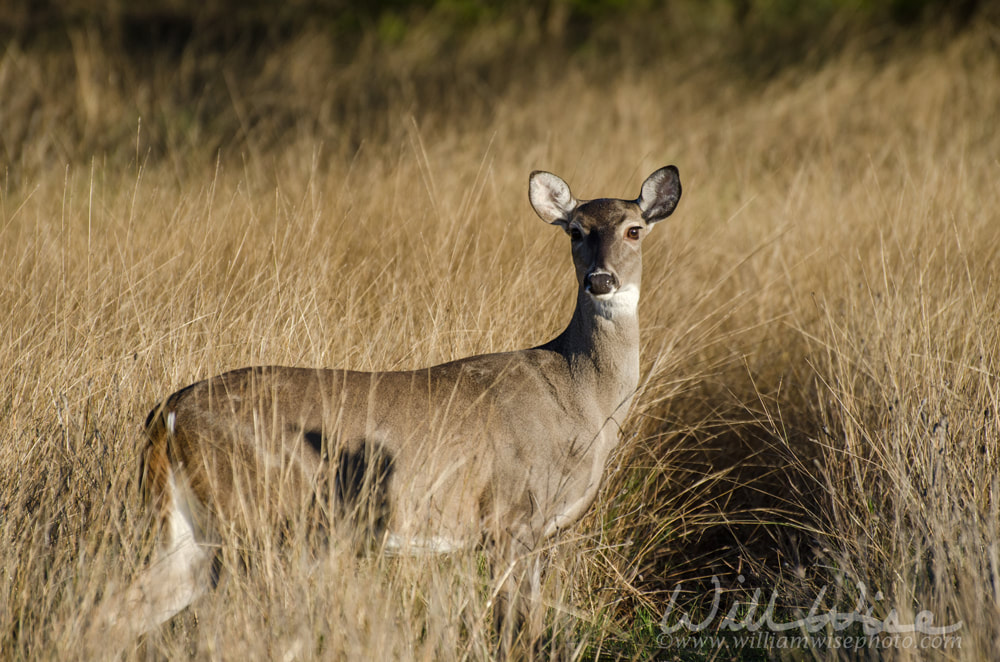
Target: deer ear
pixel 660 193
pixel 551 198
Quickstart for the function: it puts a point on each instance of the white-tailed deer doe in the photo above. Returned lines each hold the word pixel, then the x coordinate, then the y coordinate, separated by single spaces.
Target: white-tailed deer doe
pixel 499 449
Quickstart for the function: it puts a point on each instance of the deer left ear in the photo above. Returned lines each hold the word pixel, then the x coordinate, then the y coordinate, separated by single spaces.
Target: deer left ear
pixel 660 193
pixel 551 198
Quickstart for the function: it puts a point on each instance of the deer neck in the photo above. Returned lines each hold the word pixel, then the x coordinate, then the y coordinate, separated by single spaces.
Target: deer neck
pixel 601 345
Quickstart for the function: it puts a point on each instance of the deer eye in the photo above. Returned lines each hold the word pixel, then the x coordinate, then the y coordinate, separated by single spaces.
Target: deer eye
pixel 575 234
pixel 632 232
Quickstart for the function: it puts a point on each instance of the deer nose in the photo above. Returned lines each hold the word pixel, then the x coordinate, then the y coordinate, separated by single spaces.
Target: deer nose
pixel 600 282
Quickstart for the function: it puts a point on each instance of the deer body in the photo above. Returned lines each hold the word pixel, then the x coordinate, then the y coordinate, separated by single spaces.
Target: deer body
pixel 506 447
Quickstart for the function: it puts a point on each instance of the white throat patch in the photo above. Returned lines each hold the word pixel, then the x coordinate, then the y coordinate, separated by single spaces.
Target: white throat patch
pixel 623 301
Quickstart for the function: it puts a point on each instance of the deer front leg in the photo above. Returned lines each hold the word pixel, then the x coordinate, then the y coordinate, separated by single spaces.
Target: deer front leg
pixel 518 614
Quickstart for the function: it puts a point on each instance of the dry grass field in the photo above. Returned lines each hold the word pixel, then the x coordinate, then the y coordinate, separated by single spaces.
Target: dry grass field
pixel 821 327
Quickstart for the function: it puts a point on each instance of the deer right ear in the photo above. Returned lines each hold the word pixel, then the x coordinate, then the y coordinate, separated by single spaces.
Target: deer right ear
pixel 551 198
pixel 660 193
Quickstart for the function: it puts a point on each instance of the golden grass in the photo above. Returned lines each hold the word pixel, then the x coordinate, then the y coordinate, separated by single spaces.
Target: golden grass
pixel 820 335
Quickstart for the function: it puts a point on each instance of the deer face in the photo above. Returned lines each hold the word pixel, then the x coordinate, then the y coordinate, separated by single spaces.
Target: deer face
pixel 606 234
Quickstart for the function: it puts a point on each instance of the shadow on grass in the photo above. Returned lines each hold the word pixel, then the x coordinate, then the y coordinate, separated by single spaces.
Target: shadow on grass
pixel 739 486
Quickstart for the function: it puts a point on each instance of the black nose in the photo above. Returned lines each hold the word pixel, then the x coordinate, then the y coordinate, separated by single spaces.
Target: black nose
pixel 600 283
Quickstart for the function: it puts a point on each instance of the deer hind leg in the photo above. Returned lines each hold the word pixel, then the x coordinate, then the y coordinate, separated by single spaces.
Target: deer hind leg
pixel 180 569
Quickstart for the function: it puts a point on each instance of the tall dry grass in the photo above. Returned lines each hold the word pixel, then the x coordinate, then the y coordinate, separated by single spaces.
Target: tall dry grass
pixel 820 329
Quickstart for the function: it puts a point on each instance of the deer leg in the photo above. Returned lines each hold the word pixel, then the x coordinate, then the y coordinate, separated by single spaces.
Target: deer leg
pixel 180 571
pixel 518 619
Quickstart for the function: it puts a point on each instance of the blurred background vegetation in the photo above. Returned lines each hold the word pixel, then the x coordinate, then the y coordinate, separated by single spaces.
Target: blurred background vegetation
pixel 575 19
pixel 197 77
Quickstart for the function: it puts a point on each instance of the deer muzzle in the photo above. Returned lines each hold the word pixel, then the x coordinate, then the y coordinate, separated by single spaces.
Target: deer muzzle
pixel 600 283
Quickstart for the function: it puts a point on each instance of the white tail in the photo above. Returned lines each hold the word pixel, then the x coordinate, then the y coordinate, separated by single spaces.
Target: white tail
pixel 508 448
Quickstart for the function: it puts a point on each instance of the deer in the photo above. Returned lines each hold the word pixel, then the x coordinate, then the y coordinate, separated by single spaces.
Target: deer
pixel 501 451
